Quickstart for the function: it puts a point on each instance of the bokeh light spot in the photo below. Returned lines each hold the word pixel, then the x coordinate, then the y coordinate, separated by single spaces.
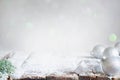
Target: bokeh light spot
pixel 113 37
pixel 29 25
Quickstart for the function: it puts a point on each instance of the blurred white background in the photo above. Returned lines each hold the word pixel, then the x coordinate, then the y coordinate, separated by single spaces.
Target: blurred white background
pixel 61 28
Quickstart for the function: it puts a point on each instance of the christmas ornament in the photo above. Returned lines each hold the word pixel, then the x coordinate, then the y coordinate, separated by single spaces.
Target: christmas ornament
pixel 97 51
pixel 117 46
pixel 110 52
pixel 111 66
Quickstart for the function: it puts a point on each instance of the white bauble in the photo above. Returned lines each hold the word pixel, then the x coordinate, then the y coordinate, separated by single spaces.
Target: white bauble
pixel 117 46
pixel 111 66
pixel 110 52
pixel 97 51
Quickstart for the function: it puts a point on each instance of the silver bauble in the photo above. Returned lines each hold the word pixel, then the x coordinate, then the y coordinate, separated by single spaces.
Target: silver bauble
pixel 97 51
pixel 110 52
pixel 111 66
pixel 117 46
